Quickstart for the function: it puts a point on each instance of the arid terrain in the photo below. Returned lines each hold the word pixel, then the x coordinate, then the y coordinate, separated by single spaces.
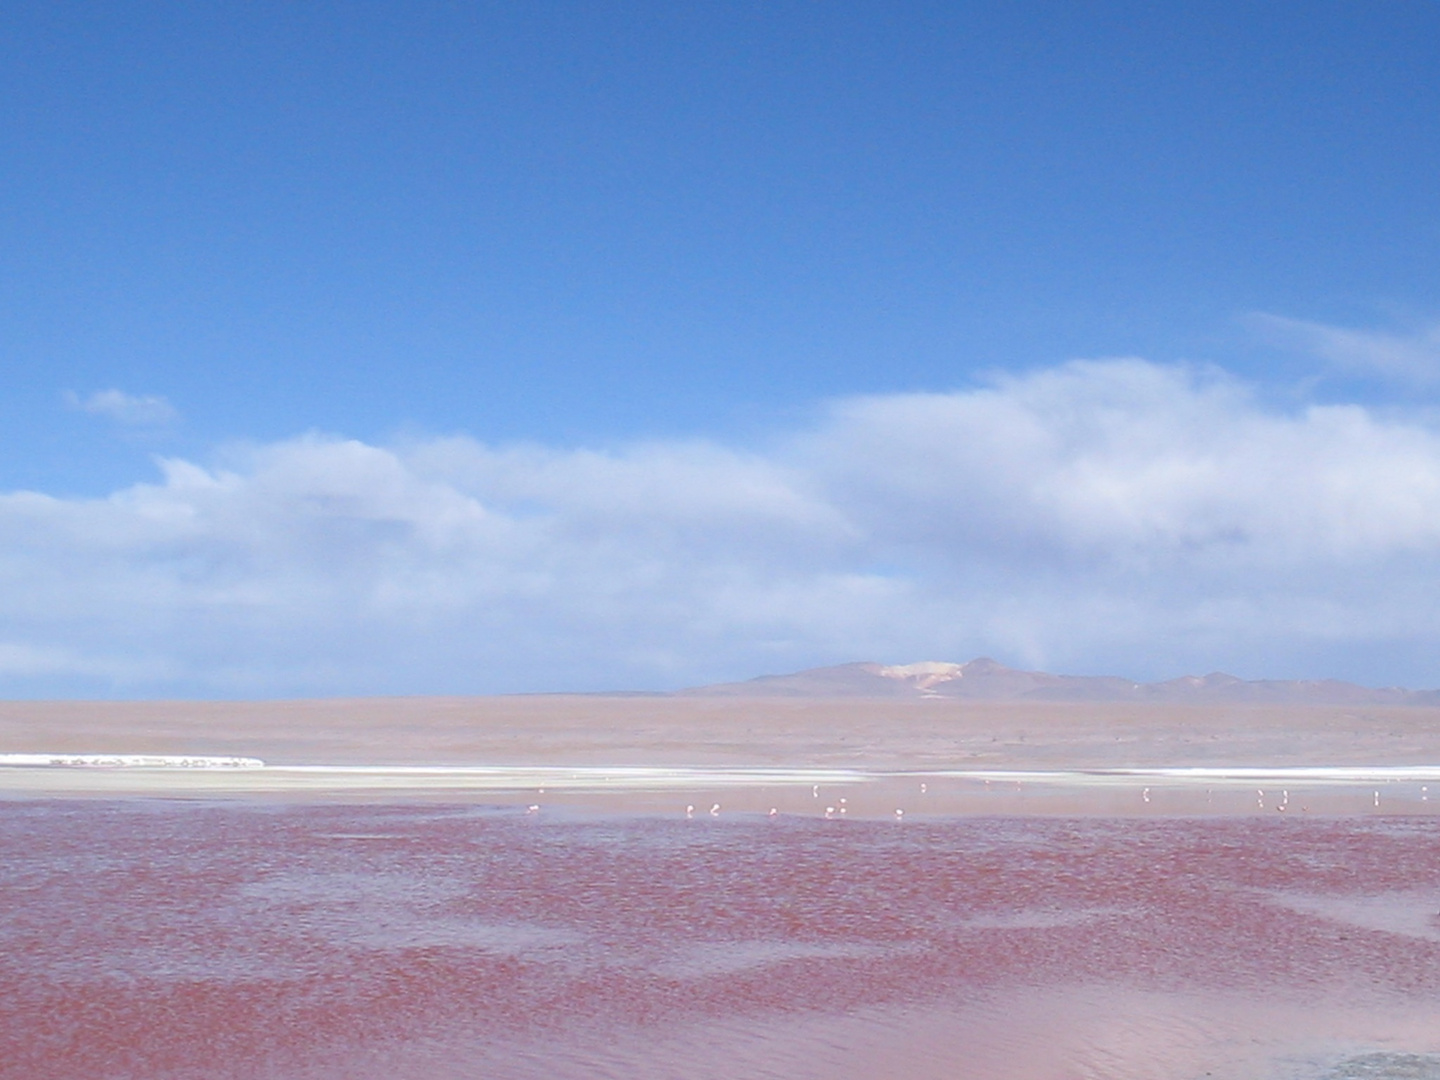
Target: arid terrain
pixel 789 738
pixel 923 716
pixel 578 729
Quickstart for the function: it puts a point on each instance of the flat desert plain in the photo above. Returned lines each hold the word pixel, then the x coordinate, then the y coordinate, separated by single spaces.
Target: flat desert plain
pixel 596 886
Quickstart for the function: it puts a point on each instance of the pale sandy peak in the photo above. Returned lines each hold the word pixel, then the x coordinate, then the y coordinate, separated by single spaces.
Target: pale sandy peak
pixel 924 675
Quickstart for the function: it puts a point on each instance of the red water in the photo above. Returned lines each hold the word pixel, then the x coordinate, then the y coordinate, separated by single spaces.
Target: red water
pixel 166 940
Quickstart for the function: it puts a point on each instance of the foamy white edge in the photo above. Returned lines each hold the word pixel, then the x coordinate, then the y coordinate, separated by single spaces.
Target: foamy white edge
pixel 127 761
pixel 659 777
pixel 1209 775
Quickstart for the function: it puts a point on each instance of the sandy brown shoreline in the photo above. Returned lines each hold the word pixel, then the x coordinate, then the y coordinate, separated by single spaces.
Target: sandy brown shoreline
pixel 960 751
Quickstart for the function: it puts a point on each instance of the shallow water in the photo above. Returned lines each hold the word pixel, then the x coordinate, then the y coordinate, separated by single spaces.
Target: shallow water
pixel 177 939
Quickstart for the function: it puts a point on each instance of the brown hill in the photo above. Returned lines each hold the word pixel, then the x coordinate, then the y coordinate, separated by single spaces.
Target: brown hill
pixel 987 680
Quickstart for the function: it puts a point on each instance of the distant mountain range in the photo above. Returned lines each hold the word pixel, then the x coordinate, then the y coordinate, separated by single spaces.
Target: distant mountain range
pixel 986 680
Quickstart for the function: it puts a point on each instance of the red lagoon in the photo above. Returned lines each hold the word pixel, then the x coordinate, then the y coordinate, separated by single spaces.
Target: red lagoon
pixel 168 939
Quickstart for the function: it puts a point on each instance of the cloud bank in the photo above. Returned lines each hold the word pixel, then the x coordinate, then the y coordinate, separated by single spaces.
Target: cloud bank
pixel 1116 516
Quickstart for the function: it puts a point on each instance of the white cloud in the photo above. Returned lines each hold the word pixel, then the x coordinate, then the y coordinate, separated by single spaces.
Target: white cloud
pixel 1409 358
pixel 1117 516
pixel 143 410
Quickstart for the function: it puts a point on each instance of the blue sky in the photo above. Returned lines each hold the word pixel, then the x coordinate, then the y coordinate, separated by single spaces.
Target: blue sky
pixel 695 251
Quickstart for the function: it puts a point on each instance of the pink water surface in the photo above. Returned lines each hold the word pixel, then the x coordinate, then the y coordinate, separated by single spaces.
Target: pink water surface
pixel 167 939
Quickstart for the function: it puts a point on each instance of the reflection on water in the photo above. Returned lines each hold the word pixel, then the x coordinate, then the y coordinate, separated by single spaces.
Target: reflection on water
pixel 1388 1067
pixel 170 940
